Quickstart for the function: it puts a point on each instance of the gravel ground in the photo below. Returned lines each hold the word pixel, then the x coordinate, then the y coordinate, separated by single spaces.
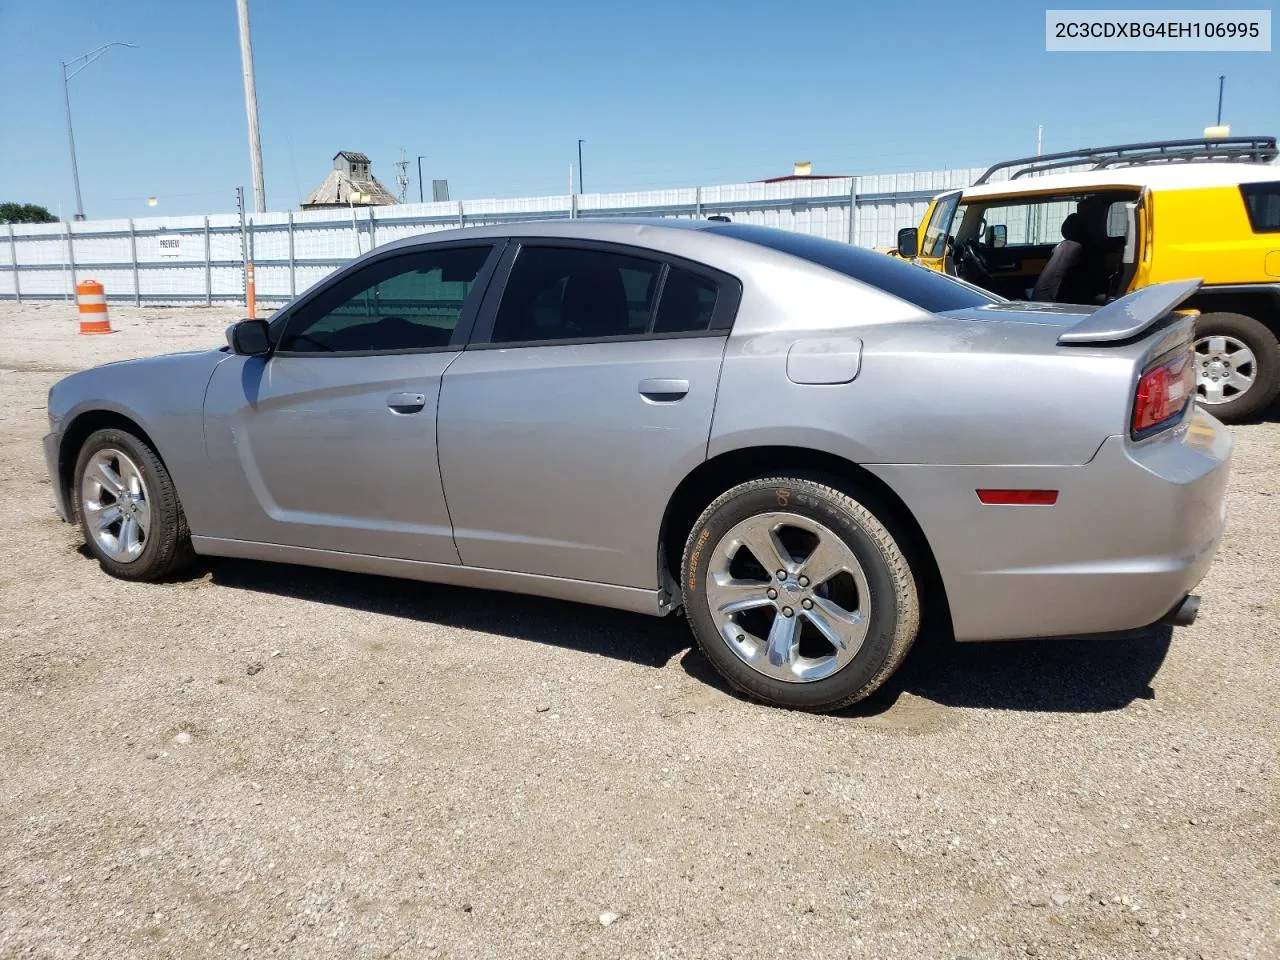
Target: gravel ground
pixel 265 760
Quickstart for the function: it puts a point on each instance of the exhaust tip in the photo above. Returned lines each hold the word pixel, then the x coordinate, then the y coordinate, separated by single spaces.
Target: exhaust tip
pixel 1184 613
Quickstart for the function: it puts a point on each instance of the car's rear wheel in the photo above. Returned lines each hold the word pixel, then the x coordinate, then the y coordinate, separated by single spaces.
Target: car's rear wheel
pixel 128 508
pixel 1237 366
pixel 798 594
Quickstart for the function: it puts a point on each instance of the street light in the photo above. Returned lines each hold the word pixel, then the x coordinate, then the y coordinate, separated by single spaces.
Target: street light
pixel 580 166
pixel 79 63
pixel 420 159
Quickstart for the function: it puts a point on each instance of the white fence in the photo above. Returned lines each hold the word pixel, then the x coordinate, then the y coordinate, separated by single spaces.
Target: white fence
pixel 197 259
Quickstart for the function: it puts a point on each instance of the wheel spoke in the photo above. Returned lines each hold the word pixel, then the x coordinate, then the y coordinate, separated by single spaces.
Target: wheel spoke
pixel 100 517
pixel 128 538
pixel 1212 390
pixel 143 516
pixel 728 595
pixel 1240 357
pixel 783 642
pixel 1240 381
pixel 762 540
pixel 1218 345
pixel 828 559
pixel 843 629
pixel 110 478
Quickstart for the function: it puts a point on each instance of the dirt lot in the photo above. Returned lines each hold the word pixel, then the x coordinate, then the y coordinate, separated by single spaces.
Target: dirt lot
pixel 420 771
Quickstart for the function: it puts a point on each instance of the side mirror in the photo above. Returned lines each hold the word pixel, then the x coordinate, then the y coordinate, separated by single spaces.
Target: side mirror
pixel 249 338
pixel 997 236
pixel 908 242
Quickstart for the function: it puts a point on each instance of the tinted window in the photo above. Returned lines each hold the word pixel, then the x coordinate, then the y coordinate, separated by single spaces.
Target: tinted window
pixel 687 303
pixel 562 293
pixel 927 289
pixel 403 303
pixel 1263 203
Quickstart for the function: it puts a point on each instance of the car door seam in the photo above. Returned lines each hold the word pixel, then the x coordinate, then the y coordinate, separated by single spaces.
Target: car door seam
pixel 453 533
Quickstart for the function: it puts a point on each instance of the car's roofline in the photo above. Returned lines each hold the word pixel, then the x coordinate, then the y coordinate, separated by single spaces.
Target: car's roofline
pixel 1184 176
pixel 634 230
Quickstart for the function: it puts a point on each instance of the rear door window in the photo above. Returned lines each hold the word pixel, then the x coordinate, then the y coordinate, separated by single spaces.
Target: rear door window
pixel 688 303
pixel 572 293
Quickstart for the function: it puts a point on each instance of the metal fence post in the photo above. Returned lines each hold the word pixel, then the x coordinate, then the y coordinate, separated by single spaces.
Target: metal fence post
pixel 373 239
pixel 133 253
pixel 13 259
pixel 573 206
pixel 293 284
pixel 853 210
pixel 461 222
pixel 71 261
pixel 208 267
pixel 697 203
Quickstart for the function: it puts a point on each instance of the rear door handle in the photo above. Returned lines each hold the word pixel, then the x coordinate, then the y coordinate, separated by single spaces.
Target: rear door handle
pixel 660 390
pixel 406 402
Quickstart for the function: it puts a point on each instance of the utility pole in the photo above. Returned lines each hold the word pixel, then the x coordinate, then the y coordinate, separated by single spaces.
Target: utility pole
pixel 580 166
pixel 1039 139
pixel 69 69
pixel 1222 80
pixel 251 109
pixel 420 159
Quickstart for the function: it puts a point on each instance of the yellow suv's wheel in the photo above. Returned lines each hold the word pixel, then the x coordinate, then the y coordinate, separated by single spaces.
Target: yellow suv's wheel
pixel 1237 366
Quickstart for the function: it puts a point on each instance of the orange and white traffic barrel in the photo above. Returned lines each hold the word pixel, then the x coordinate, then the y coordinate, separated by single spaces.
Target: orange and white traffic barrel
pixel 92 300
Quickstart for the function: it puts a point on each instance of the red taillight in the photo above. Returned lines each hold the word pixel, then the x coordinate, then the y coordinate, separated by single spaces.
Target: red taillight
pixel 1163 393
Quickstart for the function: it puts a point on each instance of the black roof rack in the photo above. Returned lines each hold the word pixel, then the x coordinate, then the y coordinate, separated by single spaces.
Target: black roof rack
pixel 1251 149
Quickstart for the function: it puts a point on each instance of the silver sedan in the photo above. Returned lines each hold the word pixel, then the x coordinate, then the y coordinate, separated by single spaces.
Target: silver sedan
pixel 804 446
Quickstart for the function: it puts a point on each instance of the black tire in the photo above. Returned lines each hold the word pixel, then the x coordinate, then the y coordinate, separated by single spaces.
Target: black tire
pixel 167 548
pixel 1266 369
pixel 894 604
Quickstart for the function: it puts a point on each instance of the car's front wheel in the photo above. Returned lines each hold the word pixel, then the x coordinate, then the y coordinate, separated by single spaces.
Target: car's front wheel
pixel 798 594
pixel 129 511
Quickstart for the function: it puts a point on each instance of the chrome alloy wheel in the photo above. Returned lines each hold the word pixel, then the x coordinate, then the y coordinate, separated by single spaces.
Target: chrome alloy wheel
pixel 788 596
pixel 116 505
pixel 1225 368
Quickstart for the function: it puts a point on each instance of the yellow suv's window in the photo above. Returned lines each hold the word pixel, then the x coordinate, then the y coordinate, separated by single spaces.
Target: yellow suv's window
pixel 1262 200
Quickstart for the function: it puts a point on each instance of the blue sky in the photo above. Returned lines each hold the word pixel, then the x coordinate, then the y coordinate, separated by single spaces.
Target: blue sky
pixel 496 94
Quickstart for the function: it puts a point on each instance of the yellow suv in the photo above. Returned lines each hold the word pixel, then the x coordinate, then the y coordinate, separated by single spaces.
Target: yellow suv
pixel 1136 214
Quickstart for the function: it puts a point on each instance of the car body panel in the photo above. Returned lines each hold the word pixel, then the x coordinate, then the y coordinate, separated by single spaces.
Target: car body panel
pixel 554 462
pixel 164 395
pixel 1132 531
pixel 299 446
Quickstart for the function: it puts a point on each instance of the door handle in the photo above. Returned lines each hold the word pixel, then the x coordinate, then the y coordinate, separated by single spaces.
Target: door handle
pixel 660 390
pixel 406 402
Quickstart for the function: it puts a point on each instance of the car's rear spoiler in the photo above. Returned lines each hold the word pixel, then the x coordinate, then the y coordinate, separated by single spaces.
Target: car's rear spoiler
pixel 1129 316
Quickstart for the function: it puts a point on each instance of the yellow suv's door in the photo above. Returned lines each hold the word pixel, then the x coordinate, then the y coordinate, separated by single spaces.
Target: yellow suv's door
pixel 934 231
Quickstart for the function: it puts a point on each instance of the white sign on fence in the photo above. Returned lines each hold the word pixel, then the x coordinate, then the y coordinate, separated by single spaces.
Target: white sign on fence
pixel 171 246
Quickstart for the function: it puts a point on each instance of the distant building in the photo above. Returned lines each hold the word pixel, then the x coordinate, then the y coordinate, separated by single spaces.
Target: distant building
pixel 803 171
pixel 349 183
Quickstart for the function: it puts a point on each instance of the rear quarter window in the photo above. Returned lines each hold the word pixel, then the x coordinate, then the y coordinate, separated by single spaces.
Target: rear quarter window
pixel 920 286
pixel 1262 200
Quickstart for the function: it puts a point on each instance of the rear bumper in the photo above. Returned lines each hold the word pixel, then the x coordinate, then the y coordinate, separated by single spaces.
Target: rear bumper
pixel 1132 533
pixel 52 441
